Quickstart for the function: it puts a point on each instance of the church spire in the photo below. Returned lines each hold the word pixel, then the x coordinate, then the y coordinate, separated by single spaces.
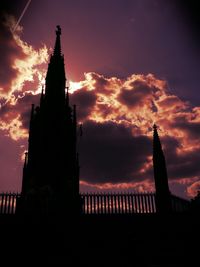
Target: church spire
pixel 57 48
pixel 52 163
pixel 55 78
pixel 163 197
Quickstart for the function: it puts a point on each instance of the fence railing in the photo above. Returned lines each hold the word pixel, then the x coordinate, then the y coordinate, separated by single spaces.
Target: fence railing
pixel 129 203
pixel 8 203
pixel 103 203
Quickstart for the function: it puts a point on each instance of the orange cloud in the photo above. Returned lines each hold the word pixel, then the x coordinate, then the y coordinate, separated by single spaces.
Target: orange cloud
pixel 143 186
pixel 193 188
pixel 21 65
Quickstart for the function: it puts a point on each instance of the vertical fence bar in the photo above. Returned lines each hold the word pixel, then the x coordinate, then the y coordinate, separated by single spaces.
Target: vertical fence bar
pixel 1 203
pixel 129 206
pixel 137 203
pixel 125 203
pixel 120 204
pixel 146 202
pixel 107 210
pixel 149 203
pixel 133 202
pixel 94 202
pixel 6 204
pixel 100 196
pixel 83 203
pixel 97 204
pixel 9 203
pixel 111 203
pixel 115 201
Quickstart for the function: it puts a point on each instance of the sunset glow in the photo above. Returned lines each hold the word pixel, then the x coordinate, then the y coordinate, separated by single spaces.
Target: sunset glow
pixel 117 112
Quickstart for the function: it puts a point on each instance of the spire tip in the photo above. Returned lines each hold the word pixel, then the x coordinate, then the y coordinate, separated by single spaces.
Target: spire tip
pixel 58 31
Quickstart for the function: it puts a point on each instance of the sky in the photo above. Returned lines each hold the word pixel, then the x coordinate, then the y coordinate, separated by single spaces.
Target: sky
pixel 129 64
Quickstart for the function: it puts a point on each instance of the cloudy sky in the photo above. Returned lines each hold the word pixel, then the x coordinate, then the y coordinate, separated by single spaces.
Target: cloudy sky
pixel 129 63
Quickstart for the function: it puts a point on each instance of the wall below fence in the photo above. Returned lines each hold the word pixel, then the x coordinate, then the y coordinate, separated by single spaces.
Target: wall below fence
pixel 101 203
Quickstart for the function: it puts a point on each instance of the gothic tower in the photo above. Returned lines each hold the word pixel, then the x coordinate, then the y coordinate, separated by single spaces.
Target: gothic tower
pixel 163 195
pixel 51 164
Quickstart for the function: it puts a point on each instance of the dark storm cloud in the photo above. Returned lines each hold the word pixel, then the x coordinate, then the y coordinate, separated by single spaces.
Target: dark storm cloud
pixel 134 97
pixel 22 107
pixel 85 101
pixel 109 153
pixel 180 164
pixel 137 95
pixel 190 127
pixel 102 84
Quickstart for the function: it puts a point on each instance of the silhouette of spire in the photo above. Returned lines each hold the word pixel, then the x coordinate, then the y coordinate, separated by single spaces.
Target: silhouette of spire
pixel 163 196
pixel 55 78
pixel 57 47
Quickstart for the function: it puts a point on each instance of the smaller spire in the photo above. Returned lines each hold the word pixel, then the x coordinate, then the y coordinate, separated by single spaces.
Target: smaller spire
pixel 57 48
pixel 163 197
pixel 67 96
pixel 26 159
pixel 42 95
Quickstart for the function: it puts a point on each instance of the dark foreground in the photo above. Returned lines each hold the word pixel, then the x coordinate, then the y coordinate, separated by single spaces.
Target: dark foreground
pixel 142 240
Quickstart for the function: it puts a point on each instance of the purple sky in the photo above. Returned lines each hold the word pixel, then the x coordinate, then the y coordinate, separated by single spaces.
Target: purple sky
pixel 118 37
pixel 114 38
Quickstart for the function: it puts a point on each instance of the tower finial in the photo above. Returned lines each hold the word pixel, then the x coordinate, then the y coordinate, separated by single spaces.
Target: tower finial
pixel 57 48
pixel 155 127
pixel 58 31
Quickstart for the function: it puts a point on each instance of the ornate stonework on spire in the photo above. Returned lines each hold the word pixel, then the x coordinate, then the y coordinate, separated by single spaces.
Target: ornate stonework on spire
pixel 163 196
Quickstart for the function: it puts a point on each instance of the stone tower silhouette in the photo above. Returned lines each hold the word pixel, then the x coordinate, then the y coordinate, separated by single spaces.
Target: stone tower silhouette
pixel 163 195
pixel 51 164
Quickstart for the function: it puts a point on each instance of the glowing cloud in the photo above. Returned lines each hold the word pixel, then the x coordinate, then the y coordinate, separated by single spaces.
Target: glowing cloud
pixel 25 72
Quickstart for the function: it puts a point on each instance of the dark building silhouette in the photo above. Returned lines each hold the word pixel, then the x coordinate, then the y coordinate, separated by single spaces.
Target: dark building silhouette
pixel 51 165
pixel 163 195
